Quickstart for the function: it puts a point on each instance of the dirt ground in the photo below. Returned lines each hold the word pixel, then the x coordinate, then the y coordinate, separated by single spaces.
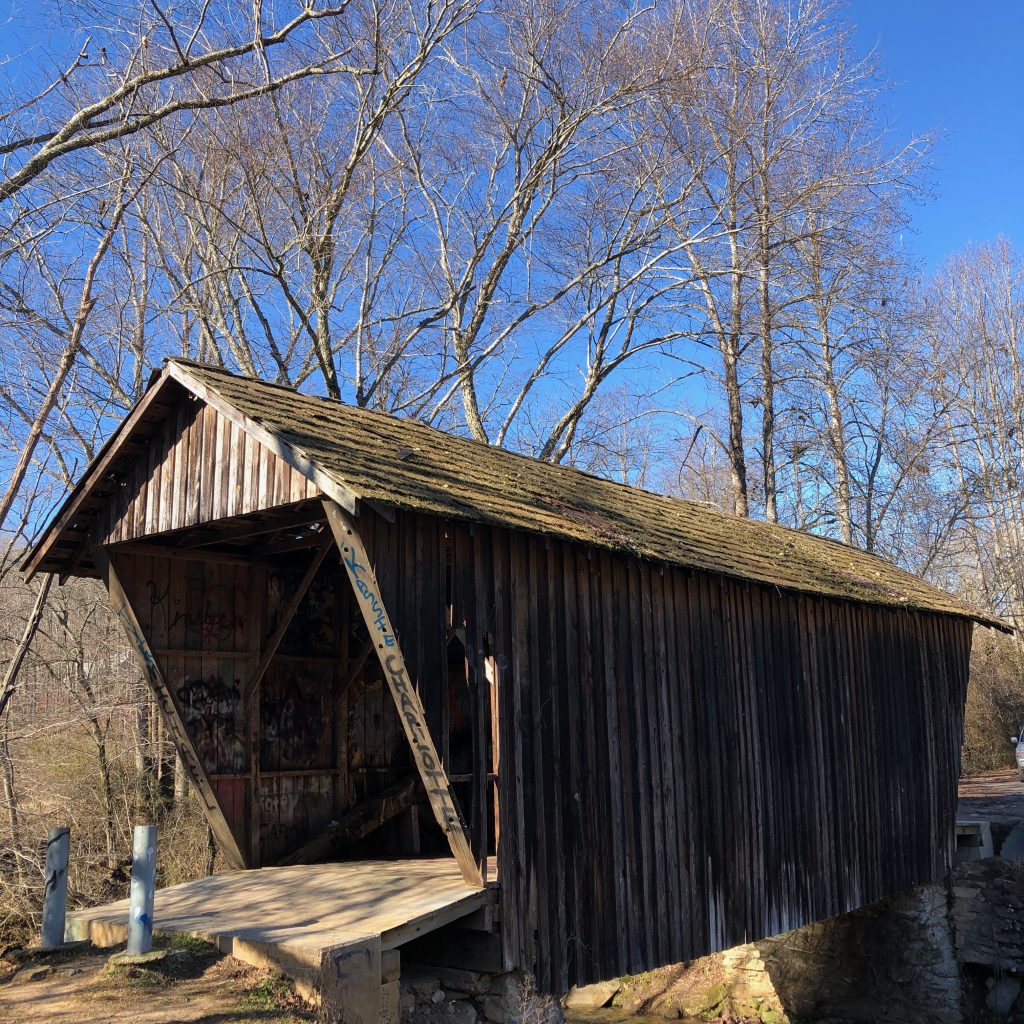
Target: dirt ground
pixel 194 984
pixel 994 796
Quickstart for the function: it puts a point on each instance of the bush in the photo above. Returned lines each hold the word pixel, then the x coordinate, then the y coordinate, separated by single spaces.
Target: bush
pixel 995 702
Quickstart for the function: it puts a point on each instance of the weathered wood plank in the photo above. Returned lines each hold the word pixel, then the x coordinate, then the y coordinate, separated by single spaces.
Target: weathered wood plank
pixel 357 823
pixel 201 467
pixel 288 614
pixel 289 454
pixel 439 792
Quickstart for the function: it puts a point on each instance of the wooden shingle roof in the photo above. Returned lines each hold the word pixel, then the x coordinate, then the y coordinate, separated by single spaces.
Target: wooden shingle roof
pixel 402 463
pixel 409 465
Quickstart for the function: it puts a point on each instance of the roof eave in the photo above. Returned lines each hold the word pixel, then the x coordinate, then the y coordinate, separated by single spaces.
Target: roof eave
pixel 62 518
pixel 172 375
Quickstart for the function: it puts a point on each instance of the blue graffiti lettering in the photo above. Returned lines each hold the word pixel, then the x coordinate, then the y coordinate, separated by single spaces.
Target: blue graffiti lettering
pixel 370 595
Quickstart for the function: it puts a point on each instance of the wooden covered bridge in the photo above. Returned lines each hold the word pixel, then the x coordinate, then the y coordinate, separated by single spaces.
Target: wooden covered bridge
pixel 656 729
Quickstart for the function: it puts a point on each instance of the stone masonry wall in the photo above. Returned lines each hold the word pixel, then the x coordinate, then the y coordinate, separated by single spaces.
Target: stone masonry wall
pixel 440 995
pixel 988 915
pixel 890 963
pixel 942 953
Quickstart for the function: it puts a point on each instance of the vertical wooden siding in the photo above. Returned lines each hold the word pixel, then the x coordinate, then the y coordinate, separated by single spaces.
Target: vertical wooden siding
pixel 689 762
pixel 198 467
pixel 207 623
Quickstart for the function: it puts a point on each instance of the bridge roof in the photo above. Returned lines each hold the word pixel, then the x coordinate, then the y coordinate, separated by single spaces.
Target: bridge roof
pixel 359 454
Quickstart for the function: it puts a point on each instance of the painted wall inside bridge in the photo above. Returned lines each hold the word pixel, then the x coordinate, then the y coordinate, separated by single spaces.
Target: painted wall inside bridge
pixel 320 736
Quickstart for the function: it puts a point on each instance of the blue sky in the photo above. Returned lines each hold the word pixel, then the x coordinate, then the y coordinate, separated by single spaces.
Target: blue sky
pixel 958 68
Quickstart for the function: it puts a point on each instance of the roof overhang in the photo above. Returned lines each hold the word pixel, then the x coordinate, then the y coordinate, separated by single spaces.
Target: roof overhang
pixel 64 546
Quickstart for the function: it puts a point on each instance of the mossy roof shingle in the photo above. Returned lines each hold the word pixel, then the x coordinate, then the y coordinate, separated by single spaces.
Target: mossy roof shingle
pixel 406 464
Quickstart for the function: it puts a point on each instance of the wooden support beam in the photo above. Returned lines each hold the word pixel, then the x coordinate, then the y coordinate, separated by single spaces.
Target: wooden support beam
pixel 326 545
pixel 171 712
pixel 459 947
pixel 284 547
pixel 253 696
pixel 410 711
pixel 246 527
pixel 359 822
pixel 145 547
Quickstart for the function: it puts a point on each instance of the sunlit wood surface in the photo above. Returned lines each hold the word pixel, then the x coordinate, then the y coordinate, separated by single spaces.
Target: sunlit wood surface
pixel 317 906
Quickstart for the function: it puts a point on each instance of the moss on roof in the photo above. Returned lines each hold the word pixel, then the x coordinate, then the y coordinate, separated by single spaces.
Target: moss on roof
pixel 409 465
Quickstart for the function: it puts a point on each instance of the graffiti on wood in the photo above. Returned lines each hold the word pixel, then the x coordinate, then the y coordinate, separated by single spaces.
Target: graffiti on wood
pixel 210 614
pixel 293 722
pixel 374 613
pixel 434 779
pixel 211 709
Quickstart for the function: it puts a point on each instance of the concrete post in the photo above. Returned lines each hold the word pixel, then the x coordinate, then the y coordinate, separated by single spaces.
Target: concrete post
pixel 140 899
pixel 55 890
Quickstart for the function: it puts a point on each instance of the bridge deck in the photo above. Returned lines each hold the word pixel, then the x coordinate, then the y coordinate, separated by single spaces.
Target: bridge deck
pixel 323 924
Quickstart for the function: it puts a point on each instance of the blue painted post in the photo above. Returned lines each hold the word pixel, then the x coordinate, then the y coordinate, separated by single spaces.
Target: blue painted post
pixel 55 890
pixel 140 898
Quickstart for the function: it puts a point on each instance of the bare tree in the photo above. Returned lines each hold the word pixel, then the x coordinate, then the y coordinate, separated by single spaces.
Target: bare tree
pixel 781 132
pixel 274 224
pixel 154 64
pixel 979 336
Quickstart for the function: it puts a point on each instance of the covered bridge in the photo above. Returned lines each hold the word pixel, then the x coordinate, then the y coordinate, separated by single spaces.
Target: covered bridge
pixel 660 729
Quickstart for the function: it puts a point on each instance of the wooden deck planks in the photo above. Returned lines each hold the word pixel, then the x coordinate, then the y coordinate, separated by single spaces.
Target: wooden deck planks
pixel 306 906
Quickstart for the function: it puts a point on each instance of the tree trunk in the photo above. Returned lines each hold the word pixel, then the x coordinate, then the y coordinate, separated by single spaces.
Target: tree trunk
pixel 139 739
pixel 180 780
pixel 467 391
pixel 11 801
pixel 11 675
pixel 107 791
pixel 771 512
pixel 737 457
pixel 731 357
pixel 836 433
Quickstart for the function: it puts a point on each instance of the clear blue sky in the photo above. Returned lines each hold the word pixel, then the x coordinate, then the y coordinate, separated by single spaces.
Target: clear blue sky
pixel 958 67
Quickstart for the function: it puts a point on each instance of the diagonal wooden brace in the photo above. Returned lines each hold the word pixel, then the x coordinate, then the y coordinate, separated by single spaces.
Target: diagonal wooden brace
pixel 172 713
pixel 439 791
pixel 272 644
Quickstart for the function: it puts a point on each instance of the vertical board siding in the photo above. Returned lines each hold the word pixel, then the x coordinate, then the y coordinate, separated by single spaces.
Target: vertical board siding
pixel 689 762
pixel 197 468
pixel 206 623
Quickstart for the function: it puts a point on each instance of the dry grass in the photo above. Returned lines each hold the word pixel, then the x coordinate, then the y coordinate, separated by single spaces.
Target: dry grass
pixel 194 985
